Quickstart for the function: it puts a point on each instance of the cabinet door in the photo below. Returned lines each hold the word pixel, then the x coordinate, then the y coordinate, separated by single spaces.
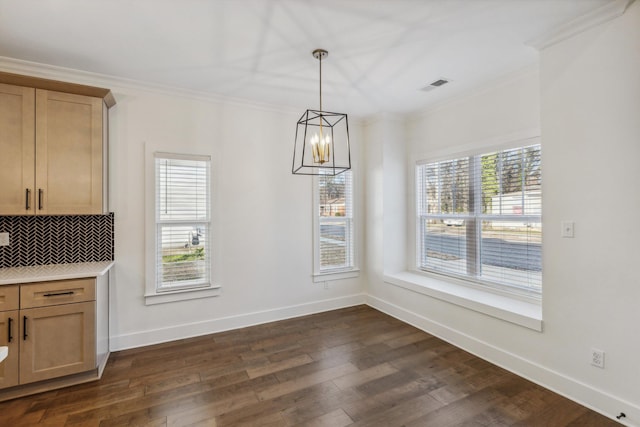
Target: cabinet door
pixel 9 336
pixel 17 148
pixel 56 341
pixel 69 153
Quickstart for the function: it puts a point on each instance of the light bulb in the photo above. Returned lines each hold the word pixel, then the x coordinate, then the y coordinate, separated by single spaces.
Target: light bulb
pixel 320 147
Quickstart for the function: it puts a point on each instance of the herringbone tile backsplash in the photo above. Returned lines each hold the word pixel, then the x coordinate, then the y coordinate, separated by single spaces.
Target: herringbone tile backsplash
pixel 64 239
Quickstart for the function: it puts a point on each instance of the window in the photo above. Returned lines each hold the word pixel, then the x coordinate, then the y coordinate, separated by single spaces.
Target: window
pixel 479 218
pixel 334 224
pixel 182 216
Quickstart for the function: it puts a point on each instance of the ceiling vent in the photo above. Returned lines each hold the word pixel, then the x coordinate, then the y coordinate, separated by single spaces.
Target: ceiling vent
pixel 434 85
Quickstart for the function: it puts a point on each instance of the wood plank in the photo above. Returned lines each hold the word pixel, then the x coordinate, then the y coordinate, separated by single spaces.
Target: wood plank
pixel 279 366
pixel 337 418
pixel 325 398
pixel 373 404
pixel 364 376
pixel 403 413
pixel 459 410
pixel 306 381
pixel 297 400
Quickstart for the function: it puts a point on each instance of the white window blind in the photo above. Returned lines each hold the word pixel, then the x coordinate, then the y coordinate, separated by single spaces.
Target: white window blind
pixel 479 217
pixel 182 221
pixel 335 212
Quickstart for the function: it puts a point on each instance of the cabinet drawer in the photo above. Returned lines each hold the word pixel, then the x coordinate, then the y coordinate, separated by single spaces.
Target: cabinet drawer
pixel 59 292
pixel 9 297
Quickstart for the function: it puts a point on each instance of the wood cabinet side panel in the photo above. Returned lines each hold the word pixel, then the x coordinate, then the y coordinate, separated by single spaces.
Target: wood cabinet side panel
pixel 102 316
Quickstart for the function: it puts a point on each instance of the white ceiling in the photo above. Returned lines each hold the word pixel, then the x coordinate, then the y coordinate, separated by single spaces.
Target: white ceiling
pixel 381 52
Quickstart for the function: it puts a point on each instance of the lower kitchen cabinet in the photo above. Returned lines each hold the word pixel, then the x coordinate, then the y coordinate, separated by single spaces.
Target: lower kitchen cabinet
pixel 57 334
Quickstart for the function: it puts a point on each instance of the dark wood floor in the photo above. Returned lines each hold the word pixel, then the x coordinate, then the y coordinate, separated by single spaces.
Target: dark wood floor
pixel 354 366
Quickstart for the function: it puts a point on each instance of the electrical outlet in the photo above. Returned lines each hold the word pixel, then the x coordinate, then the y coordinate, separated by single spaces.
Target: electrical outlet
pixel 567 229
pixel 4 239
pixel 597 358
pixel 326 286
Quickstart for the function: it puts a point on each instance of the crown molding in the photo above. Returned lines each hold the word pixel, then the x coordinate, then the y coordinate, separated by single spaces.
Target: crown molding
pixel 126 86
pixel 582 23
pixel 119 84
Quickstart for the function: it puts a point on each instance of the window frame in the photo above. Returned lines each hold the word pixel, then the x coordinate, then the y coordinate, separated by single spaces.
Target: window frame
pixel 527 293
pixel 154 294
pixel 337 273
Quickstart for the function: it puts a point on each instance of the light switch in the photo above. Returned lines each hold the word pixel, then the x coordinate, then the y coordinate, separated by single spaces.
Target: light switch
pixel 567 229
pixel 4 239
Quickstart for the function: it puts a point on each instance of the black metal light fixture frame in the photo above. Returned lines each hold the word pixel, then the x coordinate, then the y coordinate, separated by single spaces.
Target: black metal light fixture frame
pixel 326 126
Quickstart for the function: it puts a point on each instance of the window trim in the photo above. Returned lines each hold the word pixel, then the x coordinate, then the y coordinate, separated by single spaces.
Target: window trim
pixel 523 139
pixel 152 295
pixel 318 275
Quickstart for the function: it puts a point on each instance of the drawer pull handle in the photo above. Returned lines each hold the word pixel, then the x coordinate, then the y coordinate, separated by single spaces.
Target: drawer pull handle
pixel 24 328
pixel 40 191
pixel 57 294
pixel 27 205
pixel 9 334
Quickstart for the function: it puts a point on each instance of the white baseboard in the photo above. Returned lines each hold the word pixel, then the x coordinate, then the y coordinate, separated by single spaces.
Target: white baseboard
pixel 157 336
pixel 597 400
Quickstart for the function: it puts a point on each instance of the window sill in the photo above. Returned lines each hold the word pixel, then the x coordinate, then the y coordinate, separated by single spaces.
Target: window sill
pixel 335 275
pixel 181 295
pixel 510 309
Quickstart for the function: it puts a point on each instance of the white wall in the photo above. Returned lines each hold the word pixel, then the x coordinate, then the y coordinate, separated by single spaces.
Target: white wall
pixel 262 226
pixel 585 100
pixel 385 201
pixel 591 137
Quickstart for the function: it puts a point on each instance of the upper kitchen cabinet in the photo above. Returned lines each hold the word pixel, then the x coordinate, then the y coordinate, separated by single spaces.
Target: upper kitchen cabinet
pixel 69 158
pixel 53 141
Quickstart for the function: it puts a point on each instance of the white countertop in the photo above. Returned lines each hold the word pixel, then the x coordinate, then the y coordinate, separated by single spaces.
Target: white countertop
pixel 40 273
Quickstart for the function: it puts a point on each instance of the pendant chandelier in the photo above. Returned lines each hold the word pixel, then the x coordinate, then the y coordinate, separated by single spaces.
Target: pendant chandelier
pixel 322 139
